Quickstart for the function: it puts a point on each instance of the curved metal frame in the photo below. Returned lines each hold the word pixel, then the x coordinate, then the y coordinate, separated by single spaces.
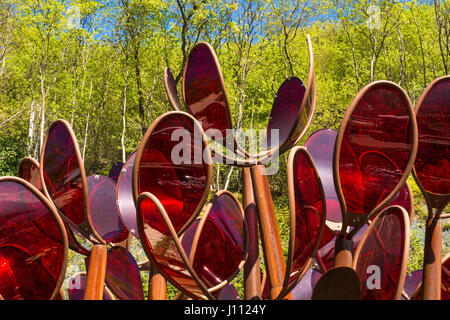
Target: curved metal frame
pixel 404 265
pixel 85 228
pixel 171 90
pixel 347 216
pixel 140 151
pixel 51 207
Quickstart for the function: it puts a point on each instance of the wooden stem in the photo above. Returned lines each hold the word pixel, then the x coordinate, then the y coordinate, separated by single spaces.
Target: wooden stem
pixel 271 242
pixel 432 261
pixel 252 273
pixel 343 254
pixel 157 287
pixel 95 281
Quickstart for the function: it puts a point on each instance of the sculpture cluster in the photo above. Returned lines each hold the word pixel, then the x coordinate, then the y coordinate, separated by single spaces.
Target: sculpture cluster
pixel 350 204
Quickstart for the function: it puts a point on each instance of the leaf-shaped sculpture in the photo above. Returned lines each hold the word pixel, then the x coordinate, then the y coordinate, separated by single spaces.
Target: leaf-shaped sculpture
pixel 29 171
pixel 115 170
pixel 220 244
pixel 122 275
pixel 433 121
pixel 375 149
pixel 173 163
pixel 103 207
pixel 77 286
pixel 64 178
pixel 412 283
pixel 307 215
pixel 304 289
pixel 204 90
pixel 32 259
pixel 382 255
pixel 171 90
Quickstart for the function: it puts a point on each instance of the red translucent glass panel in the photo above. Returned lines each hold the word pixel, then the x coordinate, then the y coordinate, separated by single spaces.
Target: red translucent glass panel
pixel 115 170
pixel 29 171
pixel 285 111
pixel 125 198
pixel 309 213
pixel 375 148
pixel 320 146
pixel 433 155
pixel 403 198
pixel 103 208
pixel 304 289
pixel 122 275
pixel 382 254
pixel 62 173
pixel 32 245
pixel 162 249
pixel 204 91
pixel 228 293
pixel 412 282
pixel 171 90
pixel 180 183
pixel 445 279
pixel 77 286
pixel 222 243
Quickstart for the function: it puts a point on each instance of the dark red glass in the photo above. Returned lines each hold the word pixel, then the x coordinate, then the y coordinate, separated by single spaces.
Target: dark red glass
pixel 32 248
pixel 383 248
pixel 304 289
pixel 412 282
pixel 285 112
pixel 433 154
pixel 77 286
pixel 123 276
pixel 222 242
pixel 115 170
pixel 320 146
pixel 403 198
pixel 376 147
pixel 180 186
pixel 162 250
pixel 171 90
pixel 203 90
pixel 62 173
pixel 309 213
pixel 103 208
pixel 29 171
pixel 445 279
pixel 228 293
pixel 187 238
pixel 125 198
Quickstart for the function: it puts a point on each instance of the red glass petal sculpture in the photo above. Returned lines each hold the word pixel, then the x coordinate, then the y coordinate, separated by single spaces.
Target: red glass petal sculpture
pixel 412 282
pixel 445 278
pixel 104 212
pixel 433 122
pixel 307 203
pixel 32 258
pixel 29 171
pixel 286 114
pixel 228 292
pixel 174 164
pixel 304 289
pixel 222 244
pixel 77 286
pixel 123 276
pixel 381 256
pixel 115 170
pixel 375 147
pixel 125 198
pixel 171 90
pixel 320 146
pixel 161 248
pixel 64 176
pixel 204 90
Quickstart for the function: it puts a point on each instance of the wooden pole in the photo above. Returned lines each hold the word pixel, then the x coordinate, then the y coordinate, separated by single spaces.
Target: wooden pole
pixel 432 260
pixel 95 281
pixel 157 286
pixel 271 242
pixel 252 273
pixel 343 254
